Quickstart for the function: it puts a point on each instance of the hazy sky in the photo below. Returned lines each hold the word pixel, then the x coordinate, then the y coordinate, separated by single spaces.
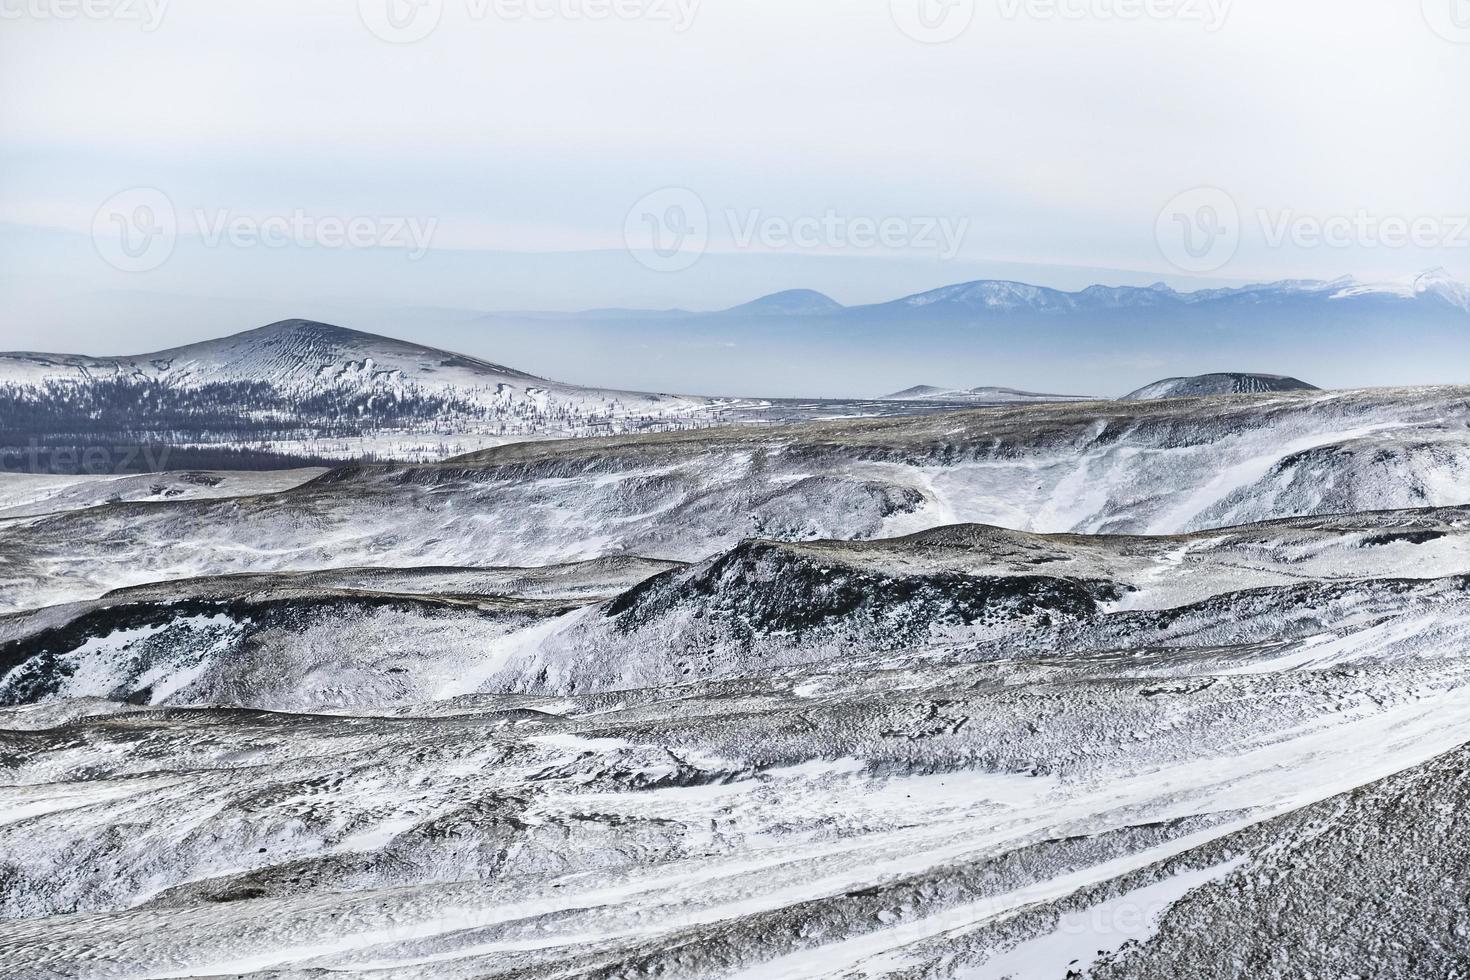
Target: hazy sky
pixel 1045 133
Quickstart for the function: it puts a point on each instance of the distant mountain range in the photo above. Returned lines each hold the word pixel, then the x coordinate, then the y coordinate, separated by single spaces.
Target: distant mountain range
pixel 978 396
pixel 1106 339
pixel 1200 386
pixel 1001 297
pixel 1008 297
pixel 318 393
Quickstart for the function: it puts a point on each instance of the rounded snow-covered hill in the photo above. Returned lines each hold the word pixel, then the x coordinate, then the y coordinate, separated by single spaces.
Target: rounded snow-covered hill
pixel 301 386
pixel 304 356
pixel 1206 385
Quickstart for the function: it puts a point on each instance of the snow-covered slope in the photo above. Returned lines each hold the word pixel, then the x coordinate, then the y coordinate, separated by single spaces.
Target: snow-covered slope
pixel 1210 385
pixel 1159 467
pixel 879 727
pixel 30 495
pixel 301 641
pixel 359 639
pixel 1135 792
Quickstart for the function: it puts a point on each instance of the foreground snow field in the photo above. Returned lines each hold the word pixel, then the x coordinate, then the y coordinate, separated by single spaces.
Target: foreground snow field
pixel 874 820
pixel 1171 689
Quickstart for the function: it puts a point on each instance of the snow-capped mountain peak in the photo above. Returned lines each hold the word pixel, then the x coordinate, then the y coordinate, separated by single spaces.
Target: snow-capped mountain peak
pixel 1438 282
pixel 993 295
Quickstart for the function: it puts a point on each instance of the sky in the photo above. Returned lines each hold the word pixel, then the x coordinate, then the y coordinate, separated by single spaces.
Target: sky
pixel 176 170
